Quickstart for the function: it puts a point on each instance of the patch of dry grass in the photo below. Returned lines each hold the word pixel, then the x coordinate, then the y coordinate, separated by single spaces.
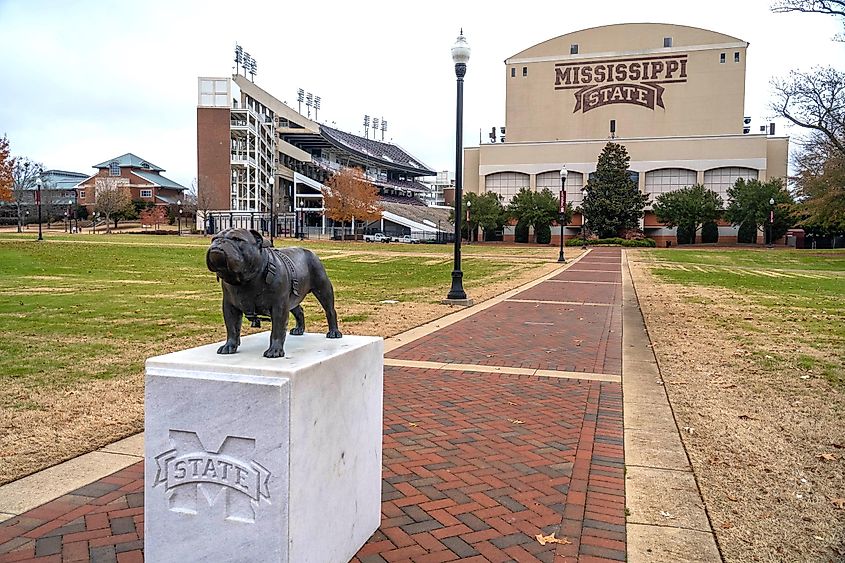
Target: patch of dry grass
pixel 768 443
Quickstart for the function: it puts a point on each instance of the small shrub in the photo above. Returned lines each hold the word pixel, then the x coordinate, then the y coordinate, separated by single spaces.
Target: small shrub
pixel 520 232
pixel 747 233
pixel 710 232
pixel 685 234
pixel 616 241
pixel 544 234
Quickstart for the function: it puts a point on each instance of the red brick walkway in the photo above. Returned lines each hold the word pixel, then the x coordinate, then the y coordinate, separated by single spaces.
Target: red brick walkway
pixel 476 465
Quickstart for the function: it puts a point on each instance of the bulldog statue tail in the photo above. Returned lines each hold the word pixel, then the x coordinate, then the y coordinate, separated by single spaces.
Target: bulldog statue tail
pixel 263 283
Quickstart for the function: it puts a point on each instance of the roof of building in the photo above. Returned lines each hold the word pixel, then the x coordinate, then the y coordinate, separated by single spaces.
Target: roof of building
pixel 61 179
pixel 158 180
pixel 388 154
pixel 623 38
pixel 436 217
pixel 168 198
pixel 131 161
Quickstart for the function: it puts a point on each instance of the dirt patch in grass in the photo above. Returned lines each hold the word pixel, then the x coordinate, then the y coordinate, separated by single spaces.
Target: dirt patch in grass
pixel 768 441
pixel 41 425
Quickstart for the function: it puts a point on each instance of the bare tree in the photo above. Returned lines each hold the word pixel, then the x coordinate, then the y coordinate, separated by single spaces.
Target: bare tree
pixel 827 7
pixel 814 100
pixel 24 175
pixel 203 203
pixel 111 198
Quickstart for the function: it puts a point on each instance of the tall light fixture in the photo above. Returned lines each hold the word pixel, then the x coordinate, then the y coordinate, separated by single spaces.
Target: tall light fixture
pixel 583 220
pixel 771 220
pixel 38 184
pixel 460 56
pixel 562 216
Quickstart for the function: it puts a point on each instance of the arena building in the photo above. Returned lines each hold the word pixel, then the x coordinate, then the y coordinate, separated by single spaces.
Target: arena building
pixel 673 95
pixel 262 163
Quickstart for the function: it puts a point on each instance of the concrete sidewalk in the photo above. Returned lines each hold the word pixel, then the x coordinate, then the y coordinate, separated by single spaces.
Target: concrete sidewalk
pixel 503 425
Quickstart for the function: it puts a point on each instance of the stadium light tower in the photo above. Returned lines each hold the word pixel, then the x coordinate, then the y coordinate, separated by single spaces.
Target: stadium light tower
pixel 460 56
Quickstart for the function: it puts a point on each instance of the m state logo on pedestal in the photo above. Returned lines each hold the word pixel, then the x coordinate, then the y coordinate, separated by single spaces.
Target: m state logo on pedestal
pixel 191 473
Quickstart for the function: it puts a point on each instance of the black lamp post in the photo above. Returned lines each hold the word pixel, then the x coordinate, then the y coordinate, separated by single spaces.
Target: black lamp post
pixel 179 217
pixel 583 220
pixel 771 220
pixel 562 216
pixel 460 56
pixel 469 223
pixel 38 183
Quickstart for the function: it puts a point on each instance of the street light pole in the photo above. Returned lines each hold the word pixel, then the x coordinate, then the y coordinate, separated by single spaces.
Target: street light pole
pixel 469 223
pixel 179 217
pixel 583 220
pixel 771 220
pixel 562 216
pixel 460 56
pixel 38 183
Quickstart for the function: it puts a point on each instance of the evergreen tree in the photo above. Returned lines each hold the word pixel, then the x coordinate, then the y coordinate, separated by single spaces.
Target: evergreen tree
pixel 688 207
pixel 613 202
pixel 485 211
pixel 537 209
pixel 748 203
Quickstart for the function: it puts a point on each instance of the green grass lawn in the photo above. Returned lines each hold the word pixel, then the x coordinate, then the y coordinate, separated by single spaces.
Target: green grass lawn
pixel 802 293
pixel 95 307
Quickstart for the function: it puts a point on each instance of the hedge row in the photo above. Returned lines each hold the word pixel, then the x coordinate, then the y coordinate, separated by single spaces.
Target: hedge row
pixel 612 241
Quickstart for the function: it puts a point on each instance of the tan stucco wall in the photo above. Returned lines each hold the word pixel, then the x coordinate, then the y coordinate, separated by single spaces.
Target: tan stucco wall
pixel 777 151
pixel 695 153
pixel 470 178
pixel 707 98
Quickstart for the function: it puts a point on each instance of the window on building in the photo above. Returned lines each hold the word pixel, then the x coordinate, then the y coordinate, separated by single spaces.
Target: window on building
pixel 214 92
pixel 146 193
pixel 114 169
pixel 736 56
pixel 507 184
pixel 573 49
pixel 668 180
pixel 525 71
pixel 81 194
pixel 574 185
pixel 720 179
pixel 667 41
pixel 513 71
pixel 722 58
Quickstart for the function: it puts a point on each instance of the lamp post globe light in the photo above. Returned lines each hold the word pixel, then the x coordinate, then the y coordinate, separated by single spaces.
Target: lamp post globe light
pixel 771 220
pixel 562 217
pixel 583 220
pixel 469 224
pixel 460 56
pixel 38 184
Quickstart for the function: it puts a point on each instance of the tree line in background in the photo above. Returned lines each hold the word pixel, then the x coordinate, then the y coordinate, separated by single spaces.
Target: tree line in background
pixel 613 205
pixel 18 179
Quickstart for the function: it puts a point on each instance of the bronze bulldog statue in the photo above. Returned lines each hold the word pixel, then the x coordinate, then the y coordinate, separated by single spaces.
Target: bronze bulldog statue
pixel 265 283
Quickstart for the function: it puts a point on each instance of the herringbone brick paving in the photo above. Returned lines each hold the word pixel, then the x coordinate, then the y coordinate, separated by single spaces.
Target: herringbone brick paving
pixel 476 465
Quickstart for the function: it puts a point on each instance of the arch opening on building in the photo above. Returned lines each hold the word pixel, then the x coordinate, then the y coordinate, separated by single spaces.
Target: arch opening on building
pixel 673 95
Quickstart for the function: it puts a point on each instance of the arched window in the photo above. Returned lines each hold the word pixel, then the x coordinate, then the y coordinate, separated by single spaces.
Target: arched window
pixel 506 184
pixel 720 179
pixel 574 185
pixel 668 180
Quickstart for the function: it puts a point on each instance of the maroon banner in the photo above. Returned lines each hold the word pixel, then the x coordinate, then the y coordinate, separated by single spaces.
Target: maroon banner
pixel 563 201
pixel 646 95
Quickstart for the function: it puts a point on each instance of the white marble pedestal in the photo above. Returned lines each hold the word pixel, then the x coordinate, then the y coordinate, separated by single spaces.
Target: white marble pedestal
pixel 252 459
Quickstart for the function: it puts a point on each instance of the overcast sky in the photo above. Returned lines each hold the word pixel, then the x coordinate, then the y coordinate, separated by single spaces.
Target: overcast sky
pixel 84 81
